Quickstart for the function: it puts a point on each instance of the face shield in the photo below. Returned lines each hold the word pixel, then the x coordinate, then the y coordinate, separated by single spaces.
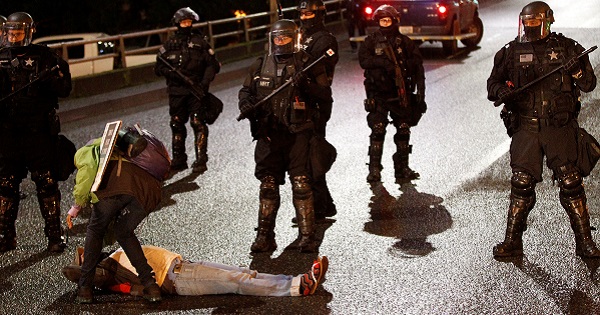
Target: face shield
pixel 533 27
pixel 16 34
pixel 283 42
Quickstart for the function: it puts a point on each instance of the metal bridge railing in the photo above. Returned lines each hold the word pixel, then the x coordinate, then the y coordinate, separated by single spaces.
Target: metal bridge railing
pixel 226 34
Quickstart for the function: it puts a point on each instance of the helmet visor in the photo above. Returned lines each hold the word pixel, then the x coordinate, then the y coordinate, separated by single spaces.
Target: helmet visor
pixel 15 34
pixel 533 27
pixel 283 42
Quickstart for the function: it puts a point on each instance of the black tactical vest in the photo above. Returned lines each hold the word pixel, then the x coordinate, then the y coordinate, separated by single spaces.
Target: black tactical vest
pixel 286 107
pixel 553 97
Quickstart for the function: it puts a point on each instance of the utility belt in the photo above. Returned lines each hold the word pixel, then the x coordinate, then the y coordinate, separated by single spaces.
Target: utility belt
pixel 535 124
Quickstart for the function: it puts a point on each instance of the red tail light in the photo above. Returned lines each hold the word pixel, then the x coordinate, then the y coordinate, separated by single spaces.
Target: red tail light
pixel 442 9
pixel 368 11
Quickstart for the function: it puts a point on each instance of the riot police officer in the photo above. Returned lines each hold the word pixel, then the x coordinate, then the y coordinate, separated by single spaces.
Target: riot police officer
pixel 188 53
pixel 32 78
pixel 283 128
pixel 544 123
pixel 395 85
pixel 316 41
pixel 2 20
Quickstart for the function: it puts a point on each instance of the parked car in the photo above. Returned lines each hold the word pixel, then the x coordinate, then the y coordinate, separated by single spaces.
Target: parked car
pixel 446 21
pixel 94 56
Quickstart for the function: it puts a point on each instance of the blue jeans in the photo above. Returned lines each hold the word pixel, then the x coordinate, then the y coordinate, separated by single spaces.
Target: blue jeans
pixel 127 213
pixel 203 278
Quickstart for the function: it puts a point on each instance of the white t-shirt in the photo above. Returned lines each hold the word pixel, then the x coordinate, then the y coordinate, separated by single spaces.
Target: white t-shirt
pixel 158 258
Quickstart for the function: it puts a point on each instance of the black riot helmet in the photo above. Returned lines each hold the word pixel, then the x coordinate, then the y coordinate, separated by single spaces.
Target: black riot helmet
pixel 312 13
pixel 534 21
pixel 284 38
pixel 387 11
pixel 2 19
pixel 17 23
pixel 184 14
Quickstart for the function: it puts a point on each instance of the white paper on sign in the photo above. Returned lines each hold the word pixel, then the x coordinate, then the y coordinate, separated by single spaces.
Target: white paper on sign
pixel 109 138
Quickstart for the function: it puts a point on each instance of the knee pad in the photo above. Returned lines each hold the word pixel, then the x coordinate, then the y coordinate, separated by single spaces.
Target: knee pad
pixel 45 184
pixel 177 125
pixel 522 184
pixel 570 180
pixel 9 186
pixel 301 187
pixel 401 137
pixel 378 132
pixel 269 188
pixel 197 124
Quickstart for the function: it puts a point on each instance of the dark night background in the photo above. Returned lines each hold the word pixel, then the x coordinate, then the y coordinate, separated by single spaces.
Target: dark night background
pixel 123 16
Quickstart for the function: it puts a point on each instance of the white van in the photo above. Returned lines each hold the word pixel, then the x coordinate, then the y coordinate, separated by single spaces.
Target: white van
pixel 91 50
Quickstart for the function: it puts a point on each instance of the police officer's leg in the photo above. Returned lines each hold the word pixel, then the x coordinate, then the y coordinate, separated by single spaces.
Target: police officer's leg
pixel 9 207
pixel 304 204
pixel 403 172
pixel 267 214
pixel 200 143
pixel 179 131
pixel 377 122
pixel 574 201
pixel 324 206
pixel 49 199
pixel 522 200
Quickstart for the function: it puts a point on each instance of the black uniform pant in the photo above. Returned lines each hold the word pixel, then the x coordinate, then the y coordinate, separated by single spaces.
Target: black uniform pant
pixel 283 151
pixel 528 148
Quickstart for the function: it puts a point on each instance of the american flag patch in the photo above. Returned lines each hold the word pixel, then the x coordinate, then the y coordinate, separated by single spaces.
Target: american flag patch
pixel 526 58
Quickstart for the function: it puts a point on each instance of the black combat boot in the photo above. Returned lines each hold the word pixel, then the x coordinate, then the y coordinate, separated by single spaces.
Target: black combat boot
pixel 269 205
pixel 200 147
pixel 179 161
pixel 305 213
pixel 516 223
pixel 375 167
pixel 9 208
pixel 50 208
pixel 580 223
pixel 402 172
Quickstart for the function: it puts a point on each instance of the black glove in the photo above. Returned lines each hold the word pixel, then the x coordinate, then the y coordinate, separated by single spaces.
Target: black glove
pixel 506 94
pixel 299 79
pixel 370 105
pixel 572 66
pixel 247 107
pixel 46 74
pixel 199 89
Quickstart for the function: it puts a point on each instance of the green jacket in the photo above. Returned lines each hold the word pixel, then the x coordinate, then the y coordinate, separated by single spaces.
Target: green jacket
pixel 87 161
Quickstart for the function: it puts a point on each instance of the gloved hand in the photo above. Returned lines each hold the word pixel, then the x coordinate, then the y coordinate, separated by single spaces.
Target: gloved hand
pixel 506 94
pixel 200 89
pixel 572 66
pixel 299 79
pixel 370 105
pixel 46 74
pixel 247 107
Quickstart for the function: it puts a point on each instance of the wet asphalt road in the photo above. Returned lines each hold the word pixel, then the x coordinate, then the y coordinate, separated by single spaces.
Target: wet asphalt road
pixel 422 249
